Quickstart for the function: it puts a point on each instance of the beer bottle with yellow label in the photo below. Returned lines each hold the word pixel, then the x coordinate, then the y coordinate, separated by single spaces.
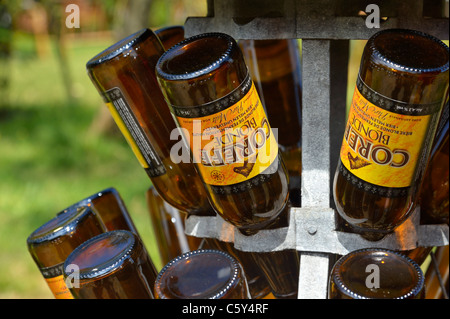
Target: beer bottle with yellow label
pixel 50 244
pixel 124 75
pixel 399 95
pixel 217 108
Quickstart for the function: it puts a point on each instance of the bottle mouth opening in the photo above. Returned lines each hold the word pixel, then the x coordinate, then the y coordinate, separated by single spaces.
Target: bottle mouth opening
pixel 195 56
pixel 60 225
pixel 179 264
pixel 342 286
pixel 102 254
pixel 119 48
pixel 433 59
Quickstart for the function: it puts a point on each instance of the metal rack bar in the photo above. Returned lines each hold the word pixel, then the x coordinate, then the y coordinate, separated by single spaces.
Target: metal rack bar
pixel 314 19
pixel 314 230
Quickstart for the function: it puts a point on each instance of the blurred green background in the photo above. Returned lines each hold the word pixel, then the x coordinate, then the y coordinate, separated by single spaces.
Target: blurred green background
pixel 57 144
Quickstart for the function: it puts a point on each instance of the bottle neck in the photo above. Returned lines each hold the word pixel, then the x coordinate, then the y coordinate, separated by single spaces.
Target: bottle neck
pixel 406 66
pixel 201 70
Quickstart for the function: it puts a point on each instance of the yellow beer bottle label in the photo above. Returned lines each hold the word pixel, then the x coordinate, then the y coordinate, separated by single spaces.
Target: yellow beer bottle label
pixel 55 280
pixel 233 142
pixel 133 132
pixel 382 147
pixel 58 287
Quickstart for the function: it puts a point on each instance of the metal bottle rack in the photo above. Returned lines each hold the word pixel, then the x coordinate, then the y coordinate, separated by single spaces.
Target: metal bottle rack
pixel 325 28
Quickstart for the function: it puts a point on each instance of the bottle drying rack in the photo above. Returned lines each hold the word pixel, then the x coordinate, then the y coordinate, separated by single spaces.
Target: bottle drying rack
pixel 326 28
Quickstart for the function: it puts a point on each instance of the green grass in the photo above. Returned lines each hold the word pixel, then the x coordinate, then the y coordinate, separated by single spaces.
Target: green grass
pixel 50 158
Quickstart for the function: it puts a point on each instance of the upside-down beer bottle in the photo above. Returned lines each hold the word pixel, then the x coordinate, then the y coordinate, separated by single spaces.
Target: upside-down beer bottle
pixel 258 285
pixel 434 193
pixel 399 95
pixel 124 75
pixel 376 274
pixel 110 208
pixel 437 275
pixel 171 35
pixel 168 226
pixel 51 243
pixel 212 96
pixel 276 70
pixel 281 267
pixel 202 274
pixel 112 265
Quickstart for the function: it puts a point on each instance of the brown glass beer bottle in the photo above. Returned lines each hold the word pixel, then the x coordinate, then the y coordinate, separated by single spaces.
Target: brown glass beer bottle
pixel 437 275
pixel 51 243
pixel 202 274
pixel 434 195
pixel 257 283
pixel 275 68
pixel 111 209
pixel 400 92
pixel 171 35
pixel 376 274
pixel 212 96
pixel 281 267
pixel 124 76
pixel 112 265
pixel 168 226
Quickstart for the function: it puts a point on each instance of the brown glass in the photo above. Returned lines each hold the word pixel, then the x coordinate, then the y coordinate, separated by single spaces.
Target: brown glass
pixel 281 268
pixel 256 279
pixel 51 243
pixel 168 226
pixel 202 274
pixel 437 275
pixel 124 76
pixel 112 265
pixel 398 68
pixel 110 207
pixel 276 71
pixel 171 35
pixel 434 196
pixel 210 68
pixel 419 254
pixel 353 276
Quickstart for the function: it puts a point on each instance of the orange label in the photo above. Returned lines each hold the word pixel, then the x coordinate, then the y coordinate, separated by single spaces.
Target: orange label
pixel 232 145
pixel 58 287
pixel 382 147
